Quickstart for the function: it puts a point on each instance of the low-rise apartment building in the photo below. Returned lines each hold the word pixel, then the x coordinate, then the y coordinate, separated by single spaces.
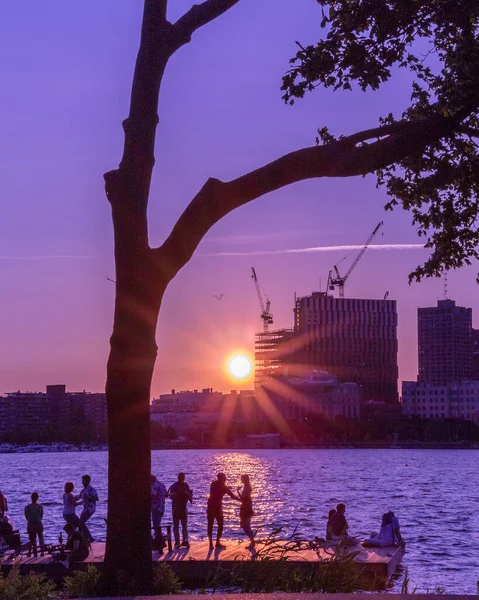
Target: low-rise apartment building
pixel 454 401
pixel 48 413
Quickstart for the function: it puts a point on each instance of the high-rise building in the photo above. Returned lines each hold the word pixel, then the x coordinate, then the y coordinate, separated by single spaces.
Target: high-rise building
pixel 475 354
pixel 444 343
pixel 350 338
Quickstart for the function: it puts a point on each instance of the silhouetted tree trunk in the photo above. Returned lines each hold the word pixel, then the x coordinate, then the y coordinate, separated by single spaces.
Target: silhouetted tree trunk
pixel 143 273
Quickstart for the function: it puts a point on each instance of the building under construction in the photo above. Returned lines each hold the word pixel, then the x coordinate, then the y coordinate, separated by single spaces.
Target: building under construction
pixel 273 352
pixel 352 339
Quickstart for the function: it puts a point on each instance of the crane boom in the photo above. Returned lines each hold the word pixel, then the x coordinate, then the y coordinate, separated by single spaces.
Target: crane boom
pixel 339 280
pixel 266 316
pixel 362 251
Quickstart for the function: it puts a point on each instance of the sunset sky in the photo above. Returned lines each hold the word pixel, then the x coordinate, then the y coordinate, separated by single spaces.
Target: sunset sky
pixel 66 71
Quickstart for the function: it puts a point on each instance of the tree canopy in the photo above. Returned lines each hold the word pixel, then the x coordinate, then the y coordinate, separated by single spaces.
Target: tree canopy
pixel 365 44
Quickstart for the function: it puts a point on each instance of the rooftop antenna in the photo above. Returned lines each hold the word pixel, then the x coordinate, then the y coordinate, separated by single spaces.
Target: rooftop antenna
pixel 445 284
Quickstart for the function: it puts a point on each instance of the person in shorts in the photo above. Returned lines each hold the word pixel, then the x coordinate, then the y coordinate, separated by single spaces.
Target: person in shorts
pixel 214 510
pixel 34 516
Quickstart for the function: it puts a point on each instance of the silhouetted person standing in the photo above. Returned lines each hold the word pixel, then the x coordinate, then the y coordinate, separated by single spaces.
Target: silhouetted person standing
pixel 214 509
pixel 89 498
pixel 180 494
pixel 158 496
pixel 34 517
pixel 69 504
pixel 246 509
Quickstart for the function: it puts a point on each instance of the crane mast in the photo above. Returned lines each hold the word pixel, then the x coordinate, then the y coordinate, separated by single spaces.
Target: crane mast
pixel 266 316
pixel 336 279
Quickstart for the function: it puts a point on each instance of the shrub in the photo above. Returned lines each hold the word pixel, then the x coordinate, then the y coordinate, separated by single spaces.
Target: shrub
pixel 33 586
pixel 165 580
pixel 82 584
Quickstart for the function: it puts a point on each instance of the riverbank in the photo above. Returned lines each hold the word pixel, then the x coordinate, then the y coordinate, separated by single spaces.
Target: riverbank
pixel 53 447
pixel 301 596
pixel 381 445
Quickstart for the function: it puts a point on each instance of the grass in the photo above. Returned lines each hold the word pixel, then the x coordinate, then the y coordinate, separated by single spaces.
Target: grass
pixel 279 566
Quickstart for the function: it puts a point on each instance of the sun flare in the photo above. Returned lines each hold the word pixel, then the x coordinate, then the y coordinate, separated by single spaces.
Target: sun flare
pixel 240 366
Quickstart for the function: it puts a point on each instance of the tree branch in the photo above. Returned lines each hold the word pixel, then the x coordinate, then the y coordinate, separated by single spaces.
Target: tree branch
pixel 341 158
pixel 199 15
pixel 470 131
pixel 376 132
pixel 163 7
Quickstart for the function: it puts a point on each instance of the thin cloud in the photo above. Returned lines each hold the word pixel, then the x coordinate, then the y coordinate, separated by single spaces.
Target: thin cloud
pixel 321 249
pixel 49 257
pixel 251 238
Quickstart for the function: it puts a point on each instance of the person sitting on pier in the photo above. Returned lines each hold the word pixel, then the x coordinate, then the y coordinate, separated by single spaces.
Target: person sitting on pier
pixel 158 496
pixel 34 515
pixel 397 529
pixel 180 495
pixel 386 535
pixel 214 508
pixel 339 526
pixel 329 527
pixel 3 505
pixel 9 534
pixel 76 545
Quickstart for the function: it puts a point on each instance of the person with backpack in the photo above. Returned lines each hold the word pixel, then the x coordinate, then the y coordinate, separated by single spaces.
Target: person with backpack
pixel 180 494
pixel 89 498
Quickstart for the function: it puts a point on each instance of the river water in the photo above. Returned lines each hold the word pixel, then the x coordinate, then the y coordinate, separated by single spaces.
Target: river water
pixel 435 494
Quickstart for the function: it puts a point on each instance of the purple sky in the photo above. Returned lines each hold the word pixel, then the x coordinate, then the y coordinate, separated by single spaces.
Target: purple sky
pixel 66 70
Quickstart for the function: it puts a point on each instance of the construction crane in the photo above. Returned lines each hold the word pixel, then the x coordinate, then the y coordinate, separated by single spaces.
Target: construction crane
pixel 337 279
pixel 265 314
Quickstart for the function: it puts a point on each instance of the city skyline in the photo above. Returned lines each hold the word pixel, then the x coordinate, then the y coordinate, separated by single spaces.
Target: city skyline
pixel 56 248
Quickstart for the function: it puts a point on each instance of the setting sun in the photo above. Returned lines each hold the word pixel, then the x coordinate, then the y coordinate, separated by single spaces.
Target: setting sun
pixel 240 367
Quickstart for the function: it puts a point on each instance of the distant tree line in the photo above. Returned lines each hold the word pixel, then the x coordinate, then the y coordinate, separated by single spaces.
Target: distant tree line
pixel 77 430
pixel 319 430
